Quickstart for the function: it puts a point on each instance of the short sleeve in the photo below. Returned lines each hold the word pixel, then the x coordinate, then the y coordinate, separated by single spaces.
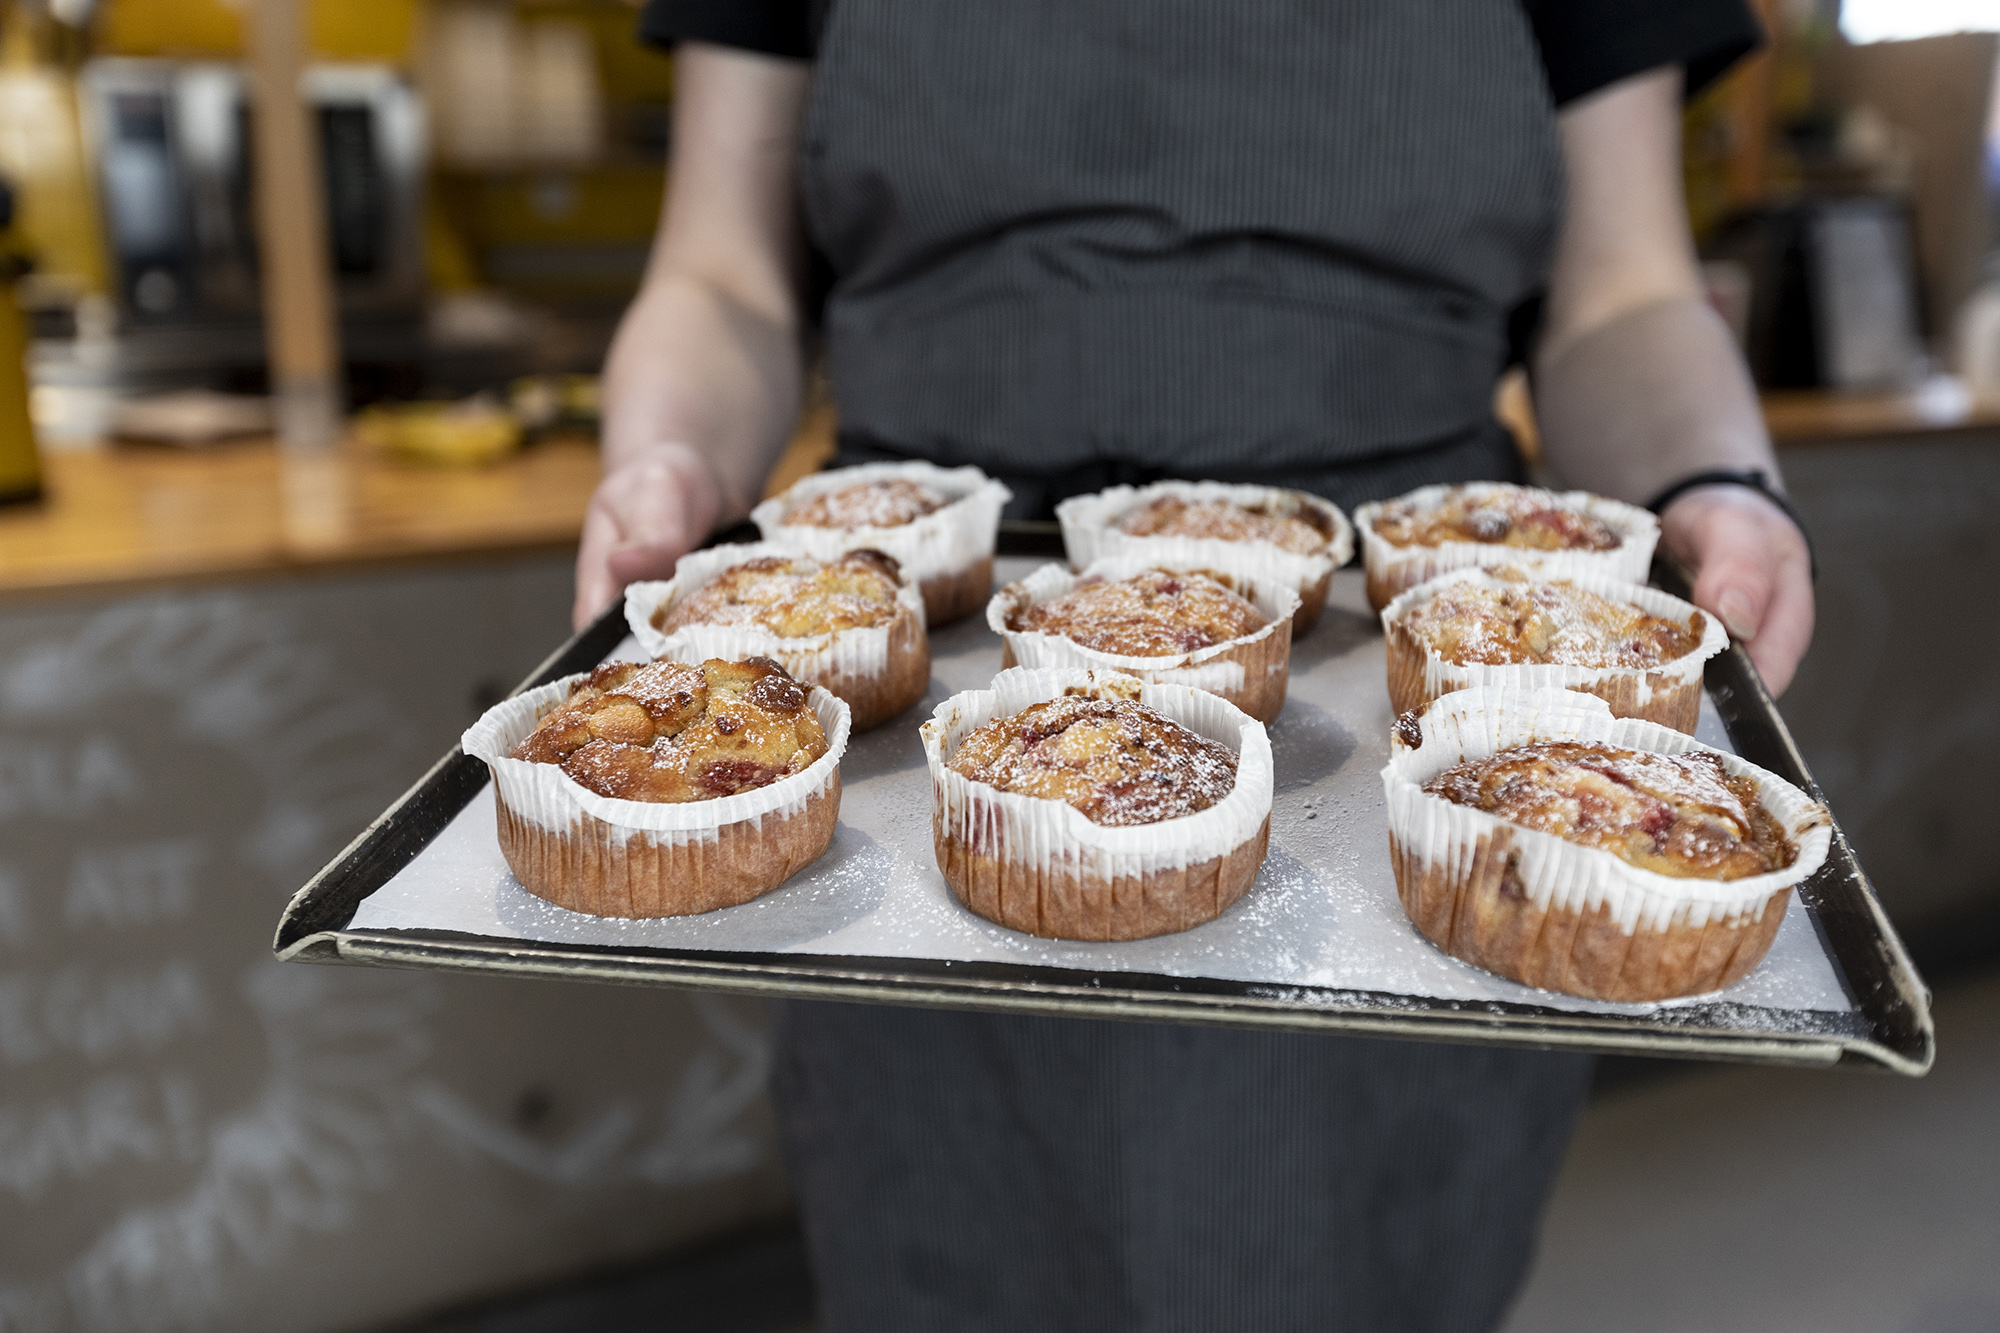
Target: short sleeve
pixel 1591 44
pixel 770 27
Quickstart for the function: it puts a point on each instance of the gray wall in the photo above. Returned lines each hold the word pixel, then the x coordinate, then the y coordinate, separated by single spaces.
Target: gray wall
pixel 193 1136
pixel 1897 706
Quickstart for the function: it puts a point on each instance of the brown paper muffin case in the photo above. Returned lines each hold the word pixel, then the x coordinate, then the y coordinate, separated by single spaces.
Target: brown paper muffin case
pixel 1669 694
pixel 1395 569
pixel 1556 914
pixel 948 554
pixel 1040 866
pixel 610 857
pixel 879 671
pixel 1088 535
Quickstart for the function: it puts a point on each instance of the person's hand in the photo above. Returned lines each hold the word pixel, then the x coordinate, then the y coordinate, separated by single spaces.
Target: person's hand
pixel 648 512
pixel 1751 570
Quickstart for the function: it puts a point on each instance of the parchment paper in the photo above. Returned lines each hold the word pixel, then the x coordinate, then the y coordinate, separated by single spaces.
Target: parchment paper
pixel 1322 913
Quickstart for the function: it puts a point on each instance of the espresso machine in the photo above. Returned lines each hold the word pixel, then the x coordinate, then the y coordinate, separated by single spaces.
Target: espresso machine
pixel 172 141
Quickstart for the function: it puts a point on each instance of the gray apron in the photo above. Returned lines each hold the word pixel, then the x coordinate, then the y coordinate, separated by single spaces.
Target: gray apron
pixel 1178 237
pixel 1087 241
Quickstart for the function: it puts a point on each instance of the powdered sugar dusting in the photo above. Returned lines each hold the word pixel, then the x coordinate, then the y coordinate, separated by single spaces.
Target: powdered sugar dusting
pixel 1157 613
pixel 1683 815
pixel 794 597
pixel 888 502
pixel 669 732
pixel 1220 520
pixel 1116 761
pixel 1518 516
pixel 1552 622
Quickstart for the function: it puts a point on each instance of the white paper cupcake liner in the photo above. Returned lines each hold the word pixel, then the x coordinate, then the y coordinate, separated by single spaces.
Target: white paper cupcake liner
pixel 878 670
pixel 1249 671
pixel 1669 694
pixel 948 553
pixel 1040 866
pixel 1089 535
pixel 1393 569
pixel 1558 914
pixel 651 858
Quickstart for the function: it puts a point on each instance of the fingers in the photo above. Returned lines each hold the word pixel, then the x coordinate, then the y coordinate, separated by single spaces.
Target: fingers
pixel 652 559
pixel 645 515
pixel 1786 632
pixel 1735 579
pixel 594 585
pixel 1752 571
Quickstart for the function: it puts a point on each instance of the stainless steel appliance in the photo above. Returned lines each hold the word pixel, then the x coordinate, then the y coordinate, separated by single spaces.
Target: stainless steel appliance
pixel 171 142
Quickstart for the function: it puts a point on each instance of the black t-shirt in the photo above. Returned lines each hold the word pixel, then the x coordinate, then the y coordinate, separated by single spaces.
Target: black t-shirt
pixel 1585 44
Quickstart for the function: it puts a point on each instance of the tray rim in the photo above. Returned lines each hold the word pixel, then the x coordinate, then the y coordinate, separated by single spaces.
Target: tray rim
pixel 1893 1004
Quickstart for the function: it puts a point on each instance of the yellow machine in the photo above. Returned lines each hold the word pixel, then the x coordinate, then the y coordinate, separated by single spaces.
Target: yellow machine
pixel 20 465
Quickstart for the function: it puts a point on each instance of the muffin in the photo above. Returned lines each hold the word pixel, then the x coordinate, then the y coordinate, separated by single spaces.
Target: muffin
pixel 1203 628
pixel 938 523
pixel 1263 533
pixel 1416 537
pixel 1535 835
pixel 1085 805
pixel 664 788
pixel 1636 648
pixel 852 624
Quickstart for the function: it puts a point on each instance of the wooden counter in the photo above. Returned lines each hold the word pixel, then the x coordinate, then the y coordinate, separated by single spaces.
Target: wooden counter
pixel 1813 416
pixel 129 516
pixel 126 516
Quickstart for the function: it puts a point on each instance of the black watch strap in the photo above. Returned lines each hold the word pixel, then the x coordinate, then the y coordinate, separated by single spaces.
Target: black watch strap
pixel 1754 478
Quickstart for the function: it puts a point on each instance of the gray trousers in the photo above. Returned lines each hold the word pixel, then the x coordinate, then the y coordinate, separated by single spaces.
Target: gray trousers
pixel 980 1172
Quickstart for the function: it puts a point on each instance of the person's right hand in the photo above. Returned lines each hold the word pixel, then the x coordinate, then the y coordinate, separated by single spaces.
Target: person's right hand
pixel 648 512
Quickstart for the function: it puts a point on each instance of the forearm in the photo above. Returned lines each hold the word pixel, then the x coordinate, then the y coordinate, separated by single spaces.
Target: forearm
pixel 1639 385
pixel 693 366
pixel 1654 394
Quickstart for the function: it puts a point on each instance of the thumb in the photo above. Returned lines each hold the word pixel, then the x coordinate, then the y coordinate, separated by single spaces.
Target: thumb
pixel 651 558
pixel 1737 591
pixel 1733 569
pixel 1752 572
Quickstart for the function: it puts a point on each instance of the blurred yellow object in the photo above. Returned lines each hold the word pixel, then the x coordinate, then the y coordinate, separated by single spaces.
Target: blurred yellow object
pixel 465 434
pixel 448 260
pixel 20 463
pixel 555 402
pixel 42 152
pixel 337 29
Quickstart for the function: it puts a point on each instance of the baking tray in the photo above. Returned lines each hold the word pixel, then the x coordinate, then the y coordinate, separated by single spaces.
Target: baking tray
pixel 1320 942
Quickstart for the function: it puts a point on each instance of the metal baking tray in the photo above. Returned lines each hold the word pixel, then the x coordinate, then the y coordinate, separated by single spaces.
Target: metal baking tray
pixel 1319 943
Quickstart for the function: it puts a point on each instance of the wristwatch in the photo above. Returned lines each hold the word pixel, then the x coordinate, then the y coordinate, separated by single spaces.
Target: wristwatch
pixel 1754 478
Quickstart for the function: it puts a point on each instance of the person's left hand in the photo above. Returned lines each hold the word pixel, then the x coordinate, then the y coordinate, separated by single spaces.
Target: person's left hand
pixel 1751 570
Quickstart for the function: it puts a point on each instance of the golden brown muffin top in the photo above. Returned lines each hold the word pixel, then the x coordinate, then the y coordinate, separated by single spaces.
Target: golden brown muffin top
pixel 1518 516
pixel 1157 613
pixel 888 502
pixel 666 731
pixel 1301 533
pixel 1116 761
pixel 1554 622
pixel 1681 815
pixel 793 596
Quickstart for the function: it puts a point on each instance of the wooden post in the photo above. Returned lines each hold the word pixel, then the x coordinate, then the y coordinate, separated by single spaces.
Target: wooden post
pixel 301 330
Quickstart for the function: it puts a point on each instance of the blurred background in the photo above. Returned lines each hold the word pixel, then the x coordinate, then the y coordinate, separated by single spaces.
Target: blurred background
pixel 292 480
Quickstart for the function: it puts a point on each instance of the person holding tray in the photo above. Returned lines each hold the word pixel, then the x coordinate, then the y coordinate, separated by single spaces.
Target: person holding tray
pixel 1109 242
